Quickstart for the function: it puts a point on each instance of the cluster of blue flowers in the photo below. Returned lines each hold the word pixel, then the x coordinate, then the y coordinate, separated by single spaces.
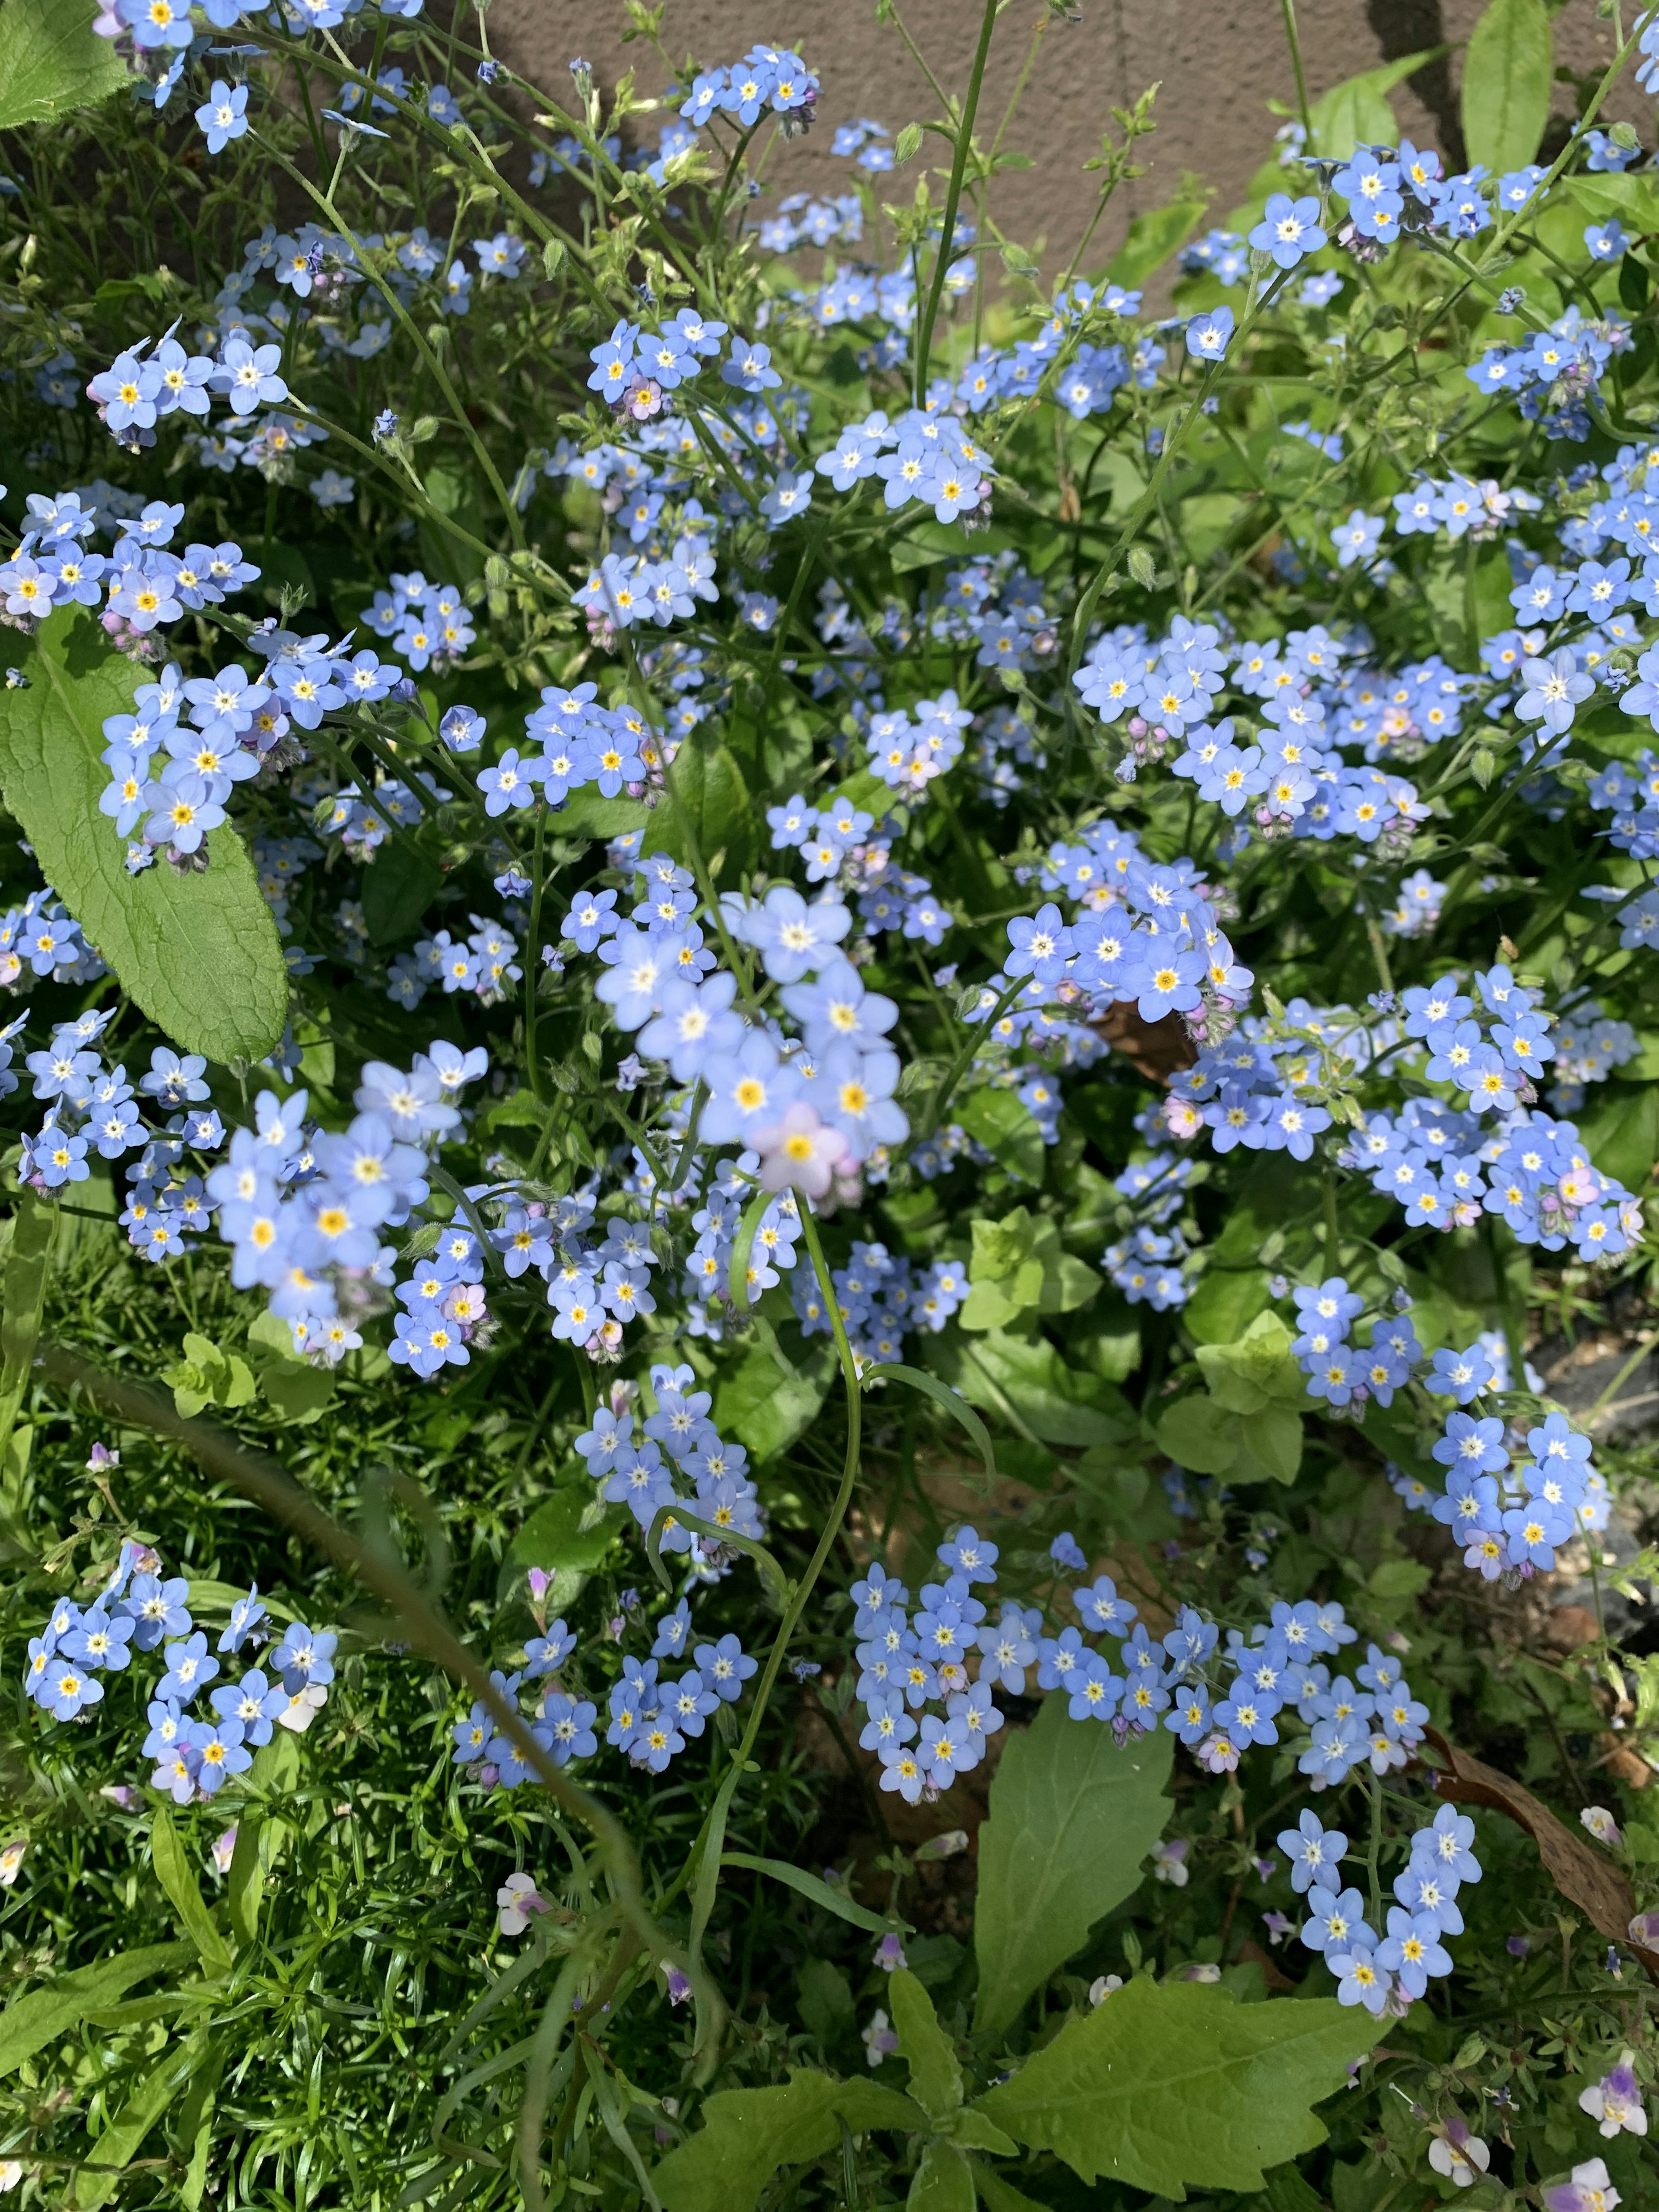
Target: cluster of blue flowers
pixel 140 583
pixel 880 1297
pixel 40 938
pixel 1385 1973
pixel 138 1611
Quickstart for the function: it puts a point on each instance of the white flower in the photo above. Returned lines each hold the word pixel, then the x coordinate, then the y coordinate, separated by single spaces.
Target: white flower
pixel 224 1849
pixel 1459 2155
pixel 1615 2101
pixel 878 2038
pixel 1169 1862
pixel 518 1898
pixel 11 1860
pixel 303 1707
pixel 1601 1824
pixel 1102 1987
pixel 1589 2190
pixel 11 2173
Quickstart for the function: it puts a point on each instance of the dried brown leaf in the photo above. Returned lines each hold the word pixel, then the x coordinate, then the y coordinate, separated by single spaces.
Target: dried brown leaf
pixel 1584 1876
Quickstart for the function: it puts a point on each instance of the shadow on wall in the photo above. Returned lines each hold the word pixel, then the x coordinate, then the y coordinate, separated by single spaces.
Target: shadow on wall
pixel 1218 62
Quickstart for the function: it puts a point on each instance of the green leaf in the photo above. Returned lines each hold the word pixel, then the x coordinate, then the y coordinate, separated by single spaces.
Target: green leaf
pixel 943 2182
pixel 1270 1445
pixel 589 814
pixel 1072 1816
pixel 769 1407
pixel 121 2141
pixel 246 1886
pixel 199 954
pixel 820 1892
pixel 398 889
pixel 747 2134
pixel 1226 1302
pixel 1171 2086
pixel 1507 71
pixel 1255 1371
pixel 293 1385
pixel 924 542
pixel 1357 113
pixel 1199 1435
pixel 567 1536
pixel 1160 232
pixel 1636 198
pixel 22 1299
pixel 1621 1131
pixel 998 2195
pixel 1392 1580
pixel 52 61
pixel 177 1878
pixel 29 2023
pixel 1007 1128
pixel 708 794
pixel 1025 1380
pixel 926 2049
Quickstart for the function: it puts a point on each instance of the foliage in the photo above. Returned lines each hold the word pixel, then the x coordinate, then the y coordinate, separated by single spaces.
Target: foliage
pixel 718 897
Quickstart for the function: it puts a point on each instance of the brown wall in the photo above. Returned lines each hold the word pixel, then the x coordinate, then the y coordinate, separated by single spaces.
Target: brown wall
pixel 1218 61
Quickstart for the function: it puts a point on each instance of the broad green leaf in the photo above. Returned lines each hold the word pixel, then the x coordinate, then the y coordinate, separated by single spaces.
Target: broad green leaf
pixel 998 2195
pixel 1622 1131
pixel 177 1878
pixel 1072 1817
pixel 397 888
pixel 924 542
pixel 1159 233
pixel 573 1528
pixel 1007 1128
pixel 1270 1445
pixel 207 1376
pixel 1636 198
pixel 1226 1302
pixel 1025 1381
pixel 295 1388
pixel 943 2182
pixel 1357 114
pixel 589 814
pixel 120 2142
pixel 769 1407
pixel 52 62
pixel 926 2049
pixel 747 2134
pixel 1199 1434
pixel 708 797
pixel 1255 1371
pixel 22 1298
pixel 808 1885
pixel 1507 70
pixel 29 2023
pixel 199 953
pixel 1175 2086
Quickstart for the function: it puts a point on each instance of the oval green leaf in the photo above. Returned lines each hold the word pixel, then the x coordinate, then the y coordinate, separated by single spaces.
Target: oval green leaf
pixel 199 953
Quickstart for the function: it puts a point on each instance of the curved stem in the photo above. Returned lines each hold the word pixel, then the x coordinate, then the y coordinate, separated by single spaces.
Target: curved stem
pixel 952 197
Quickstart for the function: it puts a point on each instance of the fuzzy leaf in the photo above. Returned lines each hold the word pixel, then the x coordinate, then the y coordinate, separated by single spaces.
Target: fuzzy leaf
pixel 51 61
pixel 200 954
pixel 943 2181
pixel 748 2134
pixel 926 2049
pixel 1172 2087
pixel 1073 1818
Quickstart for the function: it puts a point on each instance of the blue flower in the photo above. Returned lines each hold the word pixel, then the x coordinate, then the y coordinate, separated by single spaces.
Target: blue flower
pixel 1361 1979
pixel 1412 1951
pixel 725 1667
pixel 224 115
pixel 1289 229
pixel 189 1669
pixel 1338 1921
pixel 68 1689
pixel 1312 1849
pixel 1208 336
pixel 1460 1375
pixel 569 1727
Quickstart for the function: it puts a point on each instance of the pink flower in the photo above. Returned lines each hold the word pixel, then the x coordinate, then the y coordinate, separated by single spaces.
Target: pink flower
pixel 800 1152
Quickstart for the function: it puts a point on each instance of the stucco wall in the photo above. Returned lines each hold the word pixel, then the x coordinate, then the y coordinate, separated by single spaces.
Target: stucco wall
pixel 1218 61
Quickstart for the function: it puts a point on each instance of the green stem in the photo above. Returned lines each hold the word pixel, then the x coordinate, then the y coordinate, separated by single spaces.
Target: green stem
pixel 953 197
